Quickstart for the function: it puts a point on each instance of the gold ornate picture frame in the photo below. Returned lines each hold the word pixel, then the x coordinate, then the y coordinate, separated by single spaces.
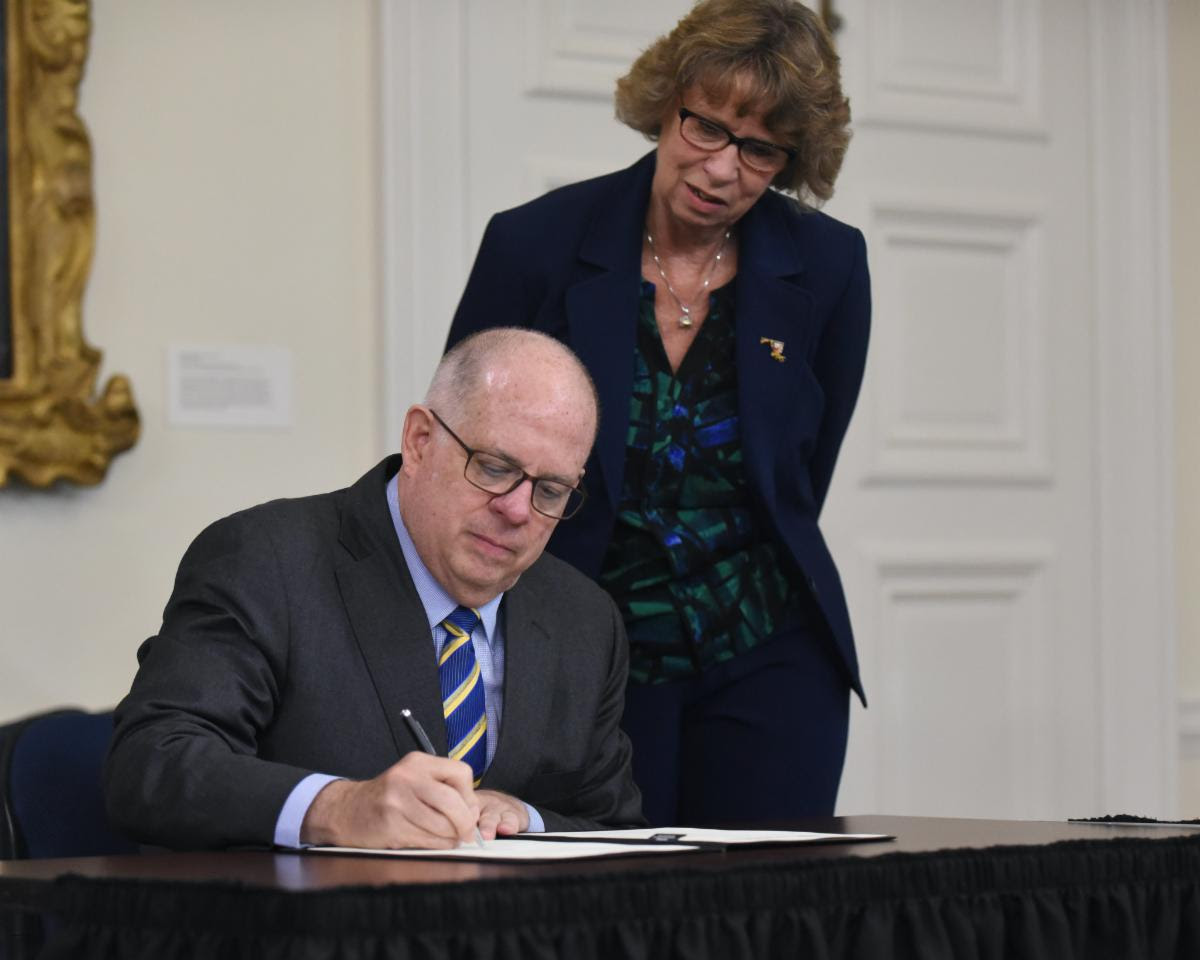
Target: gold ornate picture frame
pixel 52 425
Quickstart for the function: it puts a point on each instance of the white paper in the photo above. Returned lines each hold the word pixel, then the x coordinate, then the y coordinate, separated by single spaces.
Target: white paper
pixel 517 848
pixel 583 844
pixel 727 837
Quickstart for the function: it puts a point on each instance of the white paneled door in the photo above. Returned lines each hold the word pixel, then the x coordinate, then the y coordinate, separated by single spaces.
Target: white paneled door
pixel 999 510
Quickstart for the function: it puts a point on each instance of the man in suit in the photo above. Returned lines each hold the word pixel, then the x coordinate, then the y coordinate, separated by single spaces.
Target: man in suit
pixel 268 709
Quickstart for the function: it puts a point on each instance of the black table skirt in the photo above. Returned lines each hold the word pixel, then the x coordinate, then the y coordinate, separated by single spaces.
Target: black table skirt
pixel 1076 899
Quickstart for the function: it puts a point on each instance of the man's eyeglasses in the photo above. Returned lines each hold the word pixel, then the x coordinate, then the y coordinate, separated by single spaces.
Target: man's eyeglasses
pixel 495 475
pixel 709 135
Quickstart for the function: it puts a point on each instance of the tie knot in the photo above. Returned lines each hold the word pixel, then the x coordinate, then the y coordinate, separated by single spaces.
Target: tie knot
pixel 464 618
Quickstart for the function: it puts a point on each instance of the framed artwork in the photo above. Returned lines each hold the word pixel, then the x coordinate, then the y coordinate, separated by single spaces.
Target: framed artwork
pixel 53 424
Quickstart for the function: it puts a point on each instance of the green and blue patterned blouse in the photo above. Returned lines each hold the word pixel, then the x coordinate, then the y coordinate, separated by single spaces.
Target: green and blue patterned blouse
pixel 696 578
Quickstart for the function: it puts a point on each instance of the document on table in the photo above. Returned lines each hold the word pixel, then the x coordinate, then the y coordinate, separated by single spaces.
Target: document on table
pixel 585 844
pixel 529 847
pixel 703 836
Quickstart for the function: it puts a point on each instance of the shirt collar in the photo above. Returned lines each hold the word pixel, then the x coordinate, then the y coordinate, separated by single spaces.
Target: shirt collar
pixel 437 602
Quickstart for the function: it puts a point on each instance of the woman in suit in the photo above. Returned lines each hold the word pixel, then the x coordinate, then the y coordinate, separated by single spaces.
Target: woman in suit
pixel 725 324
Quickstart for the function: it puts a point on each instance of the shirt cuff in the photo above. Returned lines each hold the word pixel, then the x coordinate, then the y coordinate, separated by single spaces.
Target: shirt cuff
pixel 295 807
pixel 536 823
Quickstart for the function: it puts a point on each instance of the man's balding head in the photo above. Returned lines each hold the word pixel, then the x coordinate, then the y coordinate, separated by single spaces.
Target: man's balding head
pixel 473 365
pixel 517 395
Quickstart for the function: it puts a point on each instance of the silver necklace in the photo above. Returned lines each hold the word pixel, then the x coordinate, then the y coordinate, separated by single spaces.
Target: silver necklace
pixel 685 315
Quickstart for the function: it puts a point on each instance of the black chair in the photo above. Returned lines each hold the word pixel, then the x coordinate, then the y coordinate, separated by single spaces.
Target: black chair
pixel 51 803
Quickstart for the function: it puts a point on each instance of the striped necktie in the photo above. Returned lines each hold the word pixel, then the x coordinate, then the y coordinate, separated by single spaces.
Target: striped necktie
pixel 462 692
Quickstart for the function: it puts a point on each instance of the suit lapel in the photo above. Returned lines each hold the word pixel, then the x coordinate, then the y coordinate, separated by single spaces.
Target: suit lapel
pixel 602 308
pixel 385 613
pixel 598 311
pixel 771 306
pixel 530 665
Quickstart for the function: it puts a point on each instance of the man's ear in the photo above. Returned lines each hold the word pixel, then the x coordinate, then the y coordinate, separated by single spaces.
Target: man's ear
pixel 416 435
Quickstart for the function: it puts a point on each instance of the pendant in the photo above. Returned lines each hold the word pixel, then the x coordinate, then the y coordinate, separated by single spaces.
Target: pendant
pixel 685 321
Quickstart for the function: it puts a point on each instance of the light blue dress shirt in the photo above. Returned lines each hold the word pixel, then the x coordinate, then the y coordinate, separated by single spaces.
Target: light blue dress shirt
pixel 488 640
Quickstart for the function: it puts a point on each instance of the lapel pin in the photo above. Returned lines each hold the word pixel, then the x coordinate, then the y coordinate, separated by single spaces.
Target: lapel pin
pixel 776 348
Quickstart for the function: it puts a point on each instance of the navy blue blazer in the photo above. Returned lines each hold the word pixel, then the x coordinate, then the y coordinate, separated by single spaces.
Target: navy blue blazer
pixel 569 264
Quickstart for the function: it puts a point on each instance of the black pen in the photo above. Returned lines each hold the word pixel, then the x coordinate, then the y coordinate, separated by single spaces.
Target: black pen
pixel 418 732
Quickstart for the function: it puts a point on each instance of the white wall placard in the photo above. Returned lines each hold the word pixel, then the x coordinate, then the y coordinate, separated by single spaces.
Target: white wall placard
pixel 229 386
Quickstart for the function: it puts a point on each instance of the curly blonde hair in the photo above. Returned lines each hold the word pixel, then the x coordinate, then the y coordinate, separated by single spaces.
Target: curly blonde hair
pixel 771 55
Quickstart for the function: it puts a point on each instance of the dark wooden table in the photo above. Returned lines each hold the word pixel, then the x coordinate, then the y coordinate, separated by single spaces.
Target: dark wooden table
pixel 938 884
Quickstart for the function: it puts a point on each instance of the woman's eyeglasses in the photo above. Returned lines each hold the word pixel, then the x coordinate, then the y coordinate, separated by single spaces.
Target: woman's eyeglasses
pixel 707 134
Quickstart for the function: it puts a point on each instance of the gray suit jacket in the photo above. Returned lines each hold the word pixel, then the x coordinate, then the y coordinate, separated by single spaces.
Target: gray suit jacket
pixel 293 639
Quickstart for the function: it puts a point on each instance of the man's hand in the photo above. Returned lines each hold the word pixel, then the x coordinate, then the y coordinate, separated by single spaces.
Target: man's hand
pixel 500 814
pixel 422 801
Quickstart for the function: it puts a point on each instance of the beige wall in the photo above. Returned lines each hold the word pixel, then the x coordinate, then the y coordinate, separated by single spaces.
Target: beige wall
pixel 1184 81
pixel 235 178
